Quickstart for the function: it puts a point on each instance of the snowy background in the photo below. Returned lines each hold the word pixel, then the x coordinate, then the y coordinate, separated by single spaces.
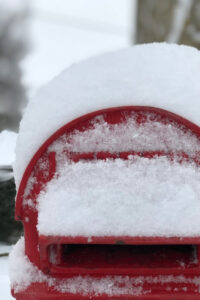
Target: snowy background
pixel 69 31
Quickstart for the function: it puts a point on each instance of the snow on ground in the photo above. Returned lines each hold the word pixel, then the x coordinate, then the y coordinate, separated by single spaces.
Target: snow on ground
pixel 7 147
pixel 4 276
pixel 7 154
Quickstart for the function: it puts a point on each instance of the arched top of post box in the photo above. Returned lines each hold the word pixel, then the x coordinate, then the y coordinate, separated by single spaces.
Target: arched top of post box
pixel 158 75
pixel 114 116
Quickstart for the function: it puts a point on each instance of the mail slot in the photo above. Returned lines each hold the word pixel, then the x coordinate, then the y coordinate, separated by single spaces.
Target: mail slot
pixel 119 259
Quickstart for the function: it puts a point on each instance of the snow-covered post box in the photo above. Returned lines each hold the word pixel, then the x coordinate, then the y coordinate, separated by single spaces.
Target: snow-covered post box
pixel 110 201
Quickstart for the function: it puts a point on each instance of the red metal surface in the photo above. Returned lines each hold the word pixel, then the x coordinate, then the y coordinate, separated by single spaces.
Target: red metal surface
pixel 36 248
pixel 179 156
pixel 173 291
pixel 118 240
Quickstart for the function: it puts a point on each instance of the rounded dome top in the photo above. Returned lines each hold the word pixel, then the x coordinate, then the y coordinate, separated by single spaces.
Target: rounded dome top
pixel 159 75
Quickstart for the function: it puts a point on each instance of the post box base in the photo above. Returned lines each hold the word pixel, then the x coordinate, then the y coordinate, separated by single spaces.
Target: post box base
pixel 156 291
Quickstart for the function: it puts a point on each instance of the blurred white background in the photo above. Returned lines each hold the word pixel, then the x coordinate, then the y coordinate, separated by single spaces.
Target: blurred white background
pixel 40 38
pixel 64 32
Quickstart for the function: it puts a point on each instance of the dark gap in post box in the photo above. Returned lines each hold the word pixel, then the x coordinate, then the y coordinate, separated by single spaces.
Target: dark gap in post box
pixel 97 256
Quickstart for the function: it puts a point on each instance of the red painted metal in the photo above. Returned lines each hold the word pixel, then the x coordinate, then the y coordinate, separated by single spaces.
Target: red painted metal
pixel 178 156
pixel 176 291
pixel 37 247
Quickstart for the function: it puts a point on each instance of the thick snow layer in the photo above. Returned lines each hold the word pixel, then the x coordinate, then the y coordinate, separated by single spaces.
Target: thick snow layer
pixel 23 273
pixel 159 75
pixel 4 277
pixel 7 147
pixel 4 248
pixel 152 135
pixel 135 197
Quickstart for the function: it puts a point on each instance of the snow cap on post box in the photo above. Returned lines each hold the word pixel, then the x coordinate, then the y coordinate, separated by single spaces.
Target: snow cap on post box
pixel 158 75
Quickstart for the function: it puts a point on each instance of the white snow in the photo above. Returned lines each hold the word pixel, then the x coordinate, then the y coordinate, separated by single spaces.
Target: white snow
pixel 4 248
pixel 152 135
pixel 23 273
pixel 4 278
pixel 159 75
pixel 134 197
pixel 7 147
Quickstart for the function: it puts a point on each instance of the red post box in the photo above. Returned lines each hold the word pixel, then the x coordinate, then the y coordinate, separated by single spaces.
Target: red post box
pixel 119 250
